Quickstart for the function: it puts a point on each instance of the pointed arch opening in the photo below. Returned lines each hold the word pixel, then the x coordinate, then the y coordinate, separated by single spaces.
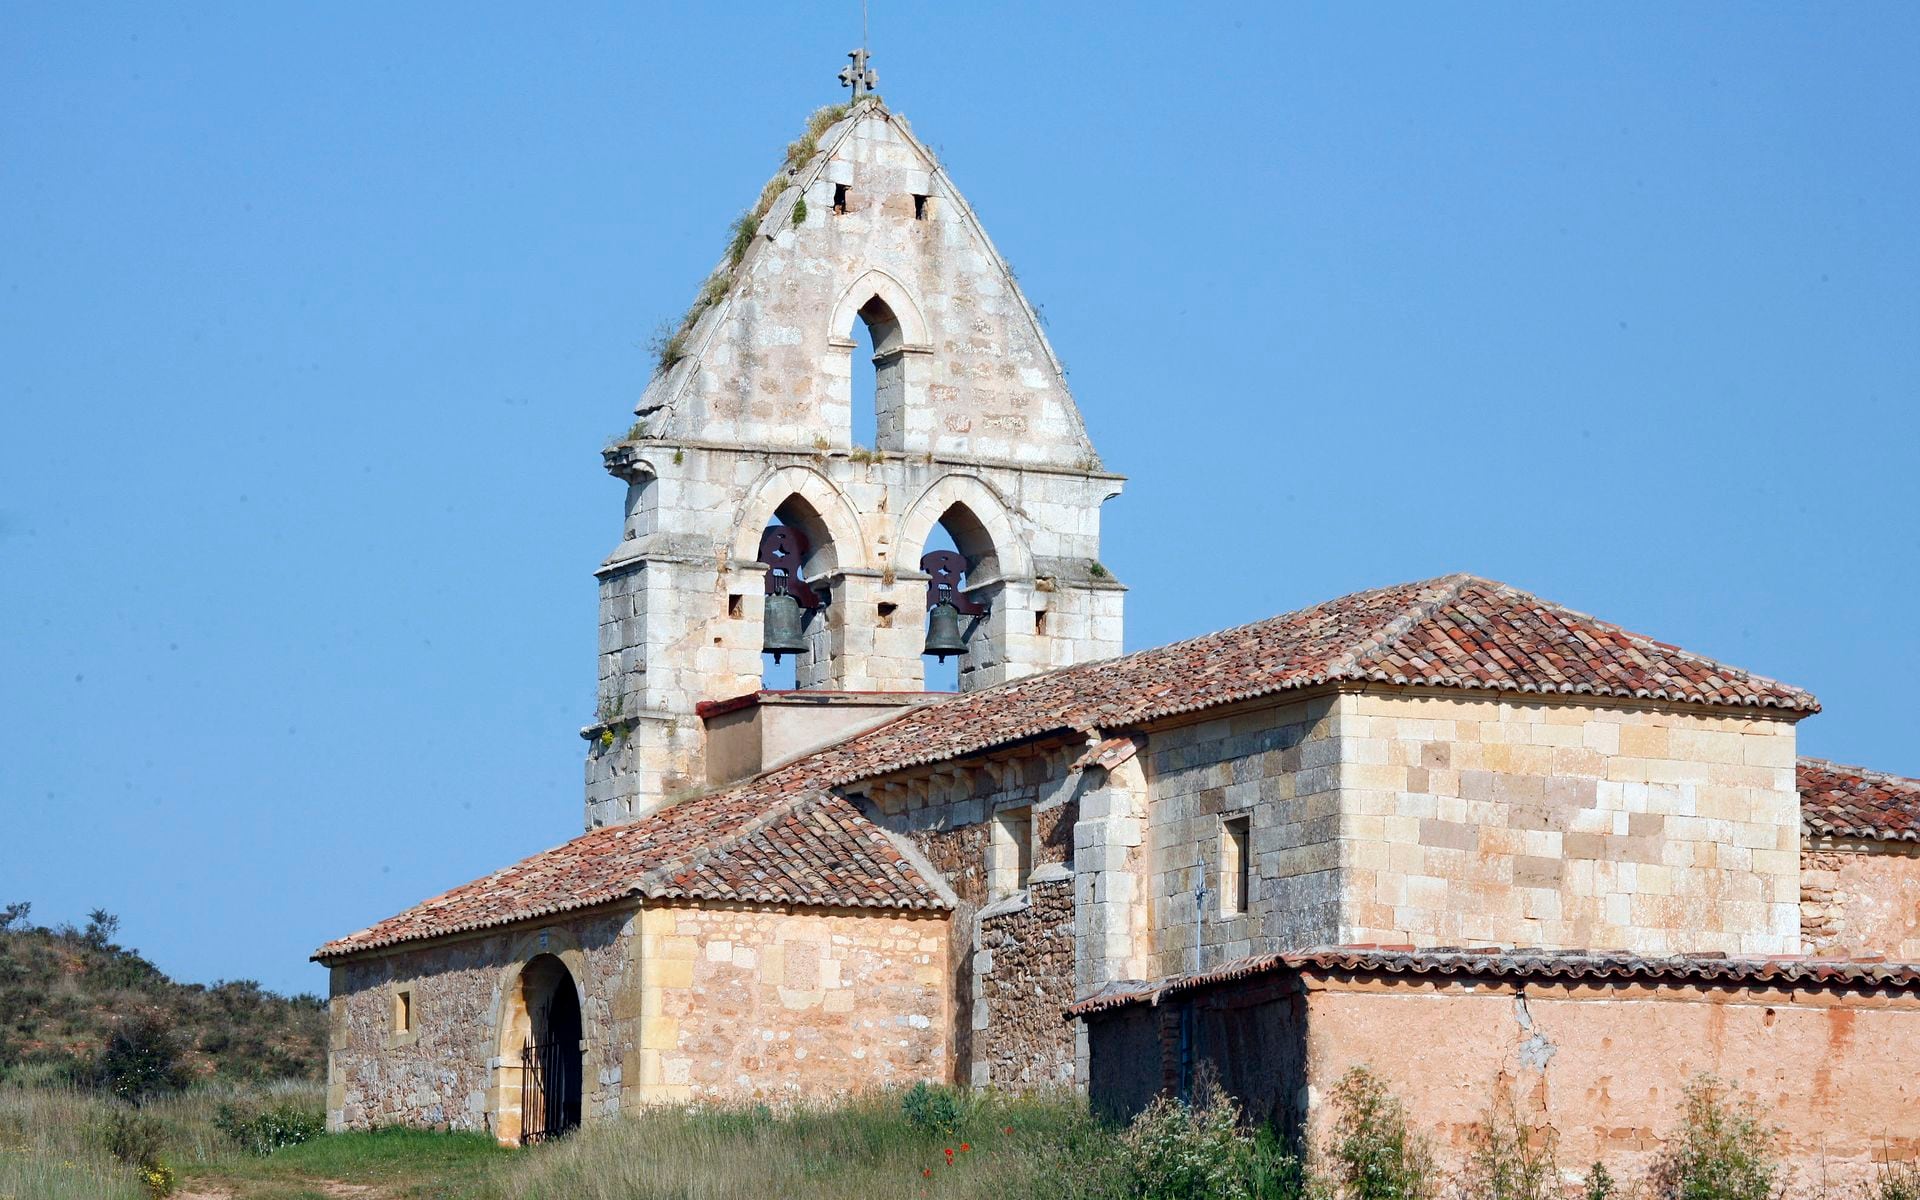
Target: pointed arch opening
pixel 963 566
pixel 879 377
pixel 799 553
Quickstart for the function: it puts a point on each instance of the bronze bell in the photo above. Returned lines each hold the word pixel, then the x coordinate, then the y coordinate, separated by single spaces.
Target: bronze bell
pixel 943 632
pixel 782 631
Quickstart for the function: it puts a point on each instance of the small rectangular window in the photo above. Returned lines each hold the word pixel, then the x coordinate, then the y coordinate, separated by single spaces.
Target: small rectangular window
pixel 886 614
pixel 403 1011
pixel 1235 860
pixel 840 198
pixel 734 606
pixel 1040 620
pixel 922 205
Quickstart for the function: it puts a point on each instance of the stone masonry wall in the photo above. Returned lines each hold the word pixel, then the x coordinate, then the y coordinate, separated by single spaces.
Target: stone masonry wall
pixel 760 1004
pixel 1277 766
pixel 446 1073
pixel 999 1003
pixel 1861 902
pixel 1023 979
pixel 1559 824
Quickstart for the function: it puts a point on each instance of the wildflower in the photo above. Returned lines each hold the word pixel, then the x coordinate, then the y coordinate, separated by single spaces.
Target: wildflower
pixel 927 1171
pixel 1008 1130
pixel 965 1147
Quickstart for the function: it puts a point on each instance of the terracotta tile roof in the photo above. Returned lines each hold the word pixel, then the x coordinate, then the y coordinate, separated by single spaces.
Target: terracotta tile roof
pixel 740 844
pixel 1455 632
pixel 1524 964
pixel 1854 802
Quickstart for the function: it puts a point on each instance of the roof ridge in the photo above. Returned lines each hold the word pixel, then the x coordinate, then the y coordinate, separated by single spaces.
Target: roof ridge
pixel 1347 665
pixel 711 849
pixel 1672 648
pixel 1875 772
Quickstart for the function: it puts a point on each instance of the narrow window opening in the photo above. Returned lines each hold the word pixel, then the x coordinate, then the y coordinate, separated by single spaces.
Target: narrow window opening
pixel 840 198
pixel 1235 875
pixel 866 387
pixel 886 614
pixel 921 208
pixel 1040 621
pixel 736 606
pixel 403 1011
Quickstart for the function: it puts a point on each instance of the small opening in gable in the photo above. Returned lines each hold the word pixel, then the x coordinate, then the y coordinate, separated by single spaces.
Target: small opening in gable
pixel 734 606
pixel 840 198
pixel 922 206
pixel 886 614
pixel 1040 621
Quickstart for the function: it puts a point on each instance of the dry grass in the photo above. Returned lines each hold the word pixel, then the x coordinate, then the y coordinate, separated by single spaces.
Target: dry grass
pixel 862 1149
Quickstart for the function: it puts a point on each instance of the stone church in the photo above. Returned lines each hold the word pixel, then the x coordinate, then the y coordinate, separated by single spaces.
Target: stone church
pixel 1447 828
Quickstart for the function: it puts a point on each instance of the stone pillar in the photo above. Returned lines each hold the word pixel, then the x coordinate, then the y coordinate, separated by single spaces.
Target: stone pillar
pixel 1110 877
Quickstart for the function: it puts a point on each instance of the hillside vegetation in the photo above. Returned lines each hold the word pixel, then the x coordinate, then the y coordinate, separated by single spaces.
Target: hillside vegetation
pixel 65 994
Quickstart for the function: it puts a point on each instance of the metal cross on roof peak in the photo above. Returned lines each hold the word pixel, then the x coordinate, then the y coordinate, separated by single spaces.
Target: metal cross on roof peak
pixel 857 74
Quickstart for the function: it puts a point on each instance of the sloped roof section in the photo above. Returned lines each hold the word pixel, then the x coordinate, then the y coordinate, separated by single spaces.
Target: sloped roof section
pixel 1524 965
pixel 1459 631
pixel 1854 802
pixel 785 837
pixel 740 844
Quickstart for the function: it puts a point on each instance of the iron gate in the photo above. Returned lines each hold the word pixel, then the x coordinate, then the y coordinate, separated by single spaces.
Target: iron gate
pixel 549 1081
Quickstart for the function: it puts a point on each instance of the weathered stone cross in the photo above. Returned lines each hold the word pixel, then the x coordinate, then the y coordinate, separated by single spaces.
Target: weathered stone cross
pixel 857 74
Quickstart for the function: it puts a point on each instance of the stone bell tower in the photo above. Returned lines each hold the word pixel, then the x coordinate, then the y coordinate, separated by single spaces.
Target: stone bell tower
pixel 747 429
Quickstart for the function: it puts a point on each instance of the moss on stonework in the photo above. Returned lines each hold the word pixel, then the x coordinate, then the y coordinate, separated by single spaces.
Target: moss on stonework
pixel 670 342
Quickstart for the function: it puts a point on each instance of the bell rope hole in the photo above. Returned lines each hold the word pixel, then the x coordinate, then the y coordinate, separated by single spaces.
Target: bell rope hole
pixel 795 546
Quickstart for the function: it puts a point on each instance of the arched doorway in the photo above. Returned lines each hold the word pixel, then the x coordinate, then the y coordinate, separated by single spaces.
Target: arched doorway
pixel 551 1066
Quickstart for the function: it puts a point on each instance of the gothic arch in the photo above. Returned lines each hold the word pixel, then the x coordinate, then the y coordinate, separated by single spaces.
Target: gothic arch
pixel 782 484
pixel 877 284
pixel 995 520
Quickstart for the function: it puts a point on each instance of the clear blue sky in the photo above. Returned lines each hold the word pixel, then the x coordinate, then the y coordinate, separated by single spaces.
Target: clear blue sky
pixel 313 319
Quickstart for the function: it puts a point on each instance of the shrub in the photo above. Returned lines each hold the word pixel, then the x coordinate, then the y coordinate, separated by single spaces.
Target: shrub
pixel 1896 1181
pixel 1178 1151
pixel 1722 1151
pixel 1507 1161
pixel 931 1109
pixel 135 1138
pixel 129 1135
pixel 1372 1155
pixel 272 1129
pixel 141 1061
pixel 1599 1184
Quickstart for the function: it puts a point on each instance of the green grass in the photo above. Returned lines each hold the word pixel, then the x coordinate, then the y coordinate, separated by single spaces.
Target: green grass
pixel 861 1149
pixel 398 1162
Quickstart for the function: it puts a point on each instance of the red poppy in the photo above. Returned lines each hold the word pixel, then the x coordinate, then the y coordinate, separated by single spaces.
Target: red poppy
pixel 927 1171
pixel 1008 1129
pixel 964 1147
pixel 949 1153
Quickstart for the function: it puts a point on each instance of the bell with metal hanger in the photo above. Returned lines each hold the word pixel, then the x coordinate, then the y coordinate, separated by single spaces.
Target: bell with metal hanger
pixel 943 632
pixel 782 631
